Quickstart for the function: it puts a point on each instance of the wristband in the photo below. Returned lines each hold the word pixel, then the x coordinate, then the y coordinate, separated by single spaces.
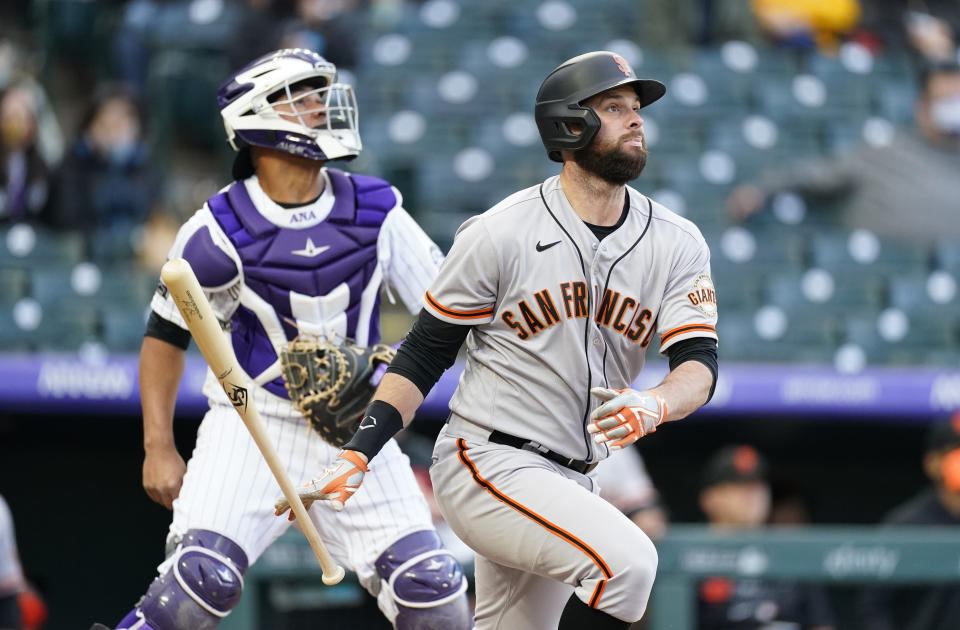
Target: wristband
pixel 380 423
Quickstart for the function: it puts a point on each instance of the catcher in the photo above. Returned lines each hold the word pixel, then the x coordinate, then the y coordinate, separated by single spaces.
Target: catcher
pixel 289 240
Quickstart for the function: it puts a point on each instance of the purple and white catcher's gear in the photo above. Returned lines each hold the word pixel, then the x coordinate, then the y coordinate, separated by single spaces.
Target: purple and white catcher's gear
pixel 248 101
pixel 423 586
pixel 203 584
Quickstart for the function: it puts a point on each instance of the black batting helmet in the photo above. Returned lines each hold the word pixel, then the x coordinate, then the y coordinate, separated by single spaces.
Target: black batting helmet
pixel 574 81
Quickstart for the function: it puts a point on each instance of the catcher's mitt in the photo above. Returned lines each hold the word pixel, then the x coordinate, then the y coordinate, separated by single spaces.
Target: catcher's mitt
pixel 331 385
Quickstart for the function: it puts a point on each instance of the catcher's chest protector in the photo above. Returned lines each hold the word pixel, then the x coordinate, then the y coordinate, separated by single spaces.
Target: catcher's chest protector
pixel 313 261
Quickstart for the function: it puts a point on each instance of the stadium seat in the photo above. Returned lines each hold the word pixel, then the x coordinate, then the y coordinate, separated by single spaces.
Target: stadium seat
pixel 27 246
pixel 740 289
pixel 776 98
pixel 61 328
pixel 840 250
pixel 123 329
pixel 14 284
pixel 803 341
pixel 947 256
pixel 828 293
pixel 182 85
pixel 911 293
pixel 894 99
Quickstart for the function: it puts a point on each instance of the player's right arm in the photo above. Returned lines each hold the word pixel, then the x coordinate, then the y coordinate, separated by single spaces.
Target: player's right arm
pixel 161 368
pixel 163 353
pixel 463 295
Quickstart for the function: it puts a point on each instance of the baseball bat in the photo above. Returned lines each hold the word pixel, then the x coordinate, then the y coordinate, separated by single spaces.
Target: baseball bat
pixel 180 280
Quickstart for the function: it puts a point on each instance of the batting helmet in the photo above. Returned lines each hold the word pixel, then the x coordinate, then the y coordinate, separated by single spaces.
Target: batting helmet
pixel 248 101
pixel 574 81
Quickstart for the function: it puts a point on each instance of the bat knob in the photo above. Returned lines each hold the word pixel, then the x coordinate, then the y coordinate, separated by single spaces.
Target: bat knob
pixel 333 577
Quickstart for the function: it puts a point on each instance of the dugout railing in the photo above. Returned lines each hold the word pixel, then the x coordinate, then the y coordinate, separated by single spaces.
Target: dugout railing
pixel 827 555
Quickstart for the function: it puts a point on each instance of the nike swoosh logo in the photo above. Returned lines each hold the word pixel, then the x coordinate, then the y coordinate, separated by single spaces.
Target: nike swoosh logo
pixel 541 248
pixel 311 250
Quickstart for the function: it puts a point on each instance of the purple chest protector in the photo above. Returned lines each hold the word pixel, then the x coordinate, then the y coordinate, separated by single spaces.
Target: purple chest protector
pixel 341 249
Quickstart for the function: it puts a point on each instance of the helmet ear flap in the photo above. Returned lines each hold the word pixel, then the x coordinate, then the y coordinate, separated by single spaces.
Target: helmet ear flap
pixel 561 130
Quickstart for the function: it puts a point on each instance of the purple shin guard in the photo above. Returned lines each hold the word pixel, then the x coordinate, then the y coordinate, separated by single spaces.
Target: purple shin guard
pixel 426 582
pixel 202 585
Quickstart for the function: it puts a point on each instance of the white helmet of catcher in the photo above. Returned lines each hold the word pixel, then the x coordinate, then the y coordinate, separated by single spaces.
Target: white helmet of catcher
pixel 252 100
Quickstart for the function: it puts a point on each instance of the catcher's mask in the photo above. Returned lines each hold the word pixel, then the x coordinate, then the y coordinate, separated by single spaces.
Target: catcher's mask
pixel 574 81
pixel 258 102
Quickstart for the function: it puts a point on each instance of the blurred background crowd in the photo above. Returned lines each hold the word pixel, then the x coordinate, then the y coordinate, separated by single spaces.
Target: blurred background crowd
pixel 816 143
pixel 797 134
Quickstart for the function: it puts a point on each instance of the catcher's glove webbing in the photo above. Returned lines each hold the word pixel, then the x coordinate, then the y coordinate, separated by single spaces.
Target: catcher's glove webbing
pixel 331 385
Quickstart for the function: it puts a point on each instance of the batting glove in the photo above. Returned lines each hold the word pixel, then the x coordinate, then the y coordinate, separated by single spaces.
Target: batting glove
pixel 335 484
pixel 626 416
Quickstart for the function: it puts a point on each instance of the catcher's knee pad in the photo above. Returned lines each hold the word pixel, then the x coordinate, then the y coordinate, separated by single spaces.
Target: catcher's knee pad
pixel 422 585
pixel 202 585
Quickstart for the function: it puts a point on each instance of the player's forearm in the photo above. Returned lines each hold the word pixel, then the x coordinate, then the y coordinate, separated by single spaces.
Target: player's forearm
pixel 685 389
pixel 401 393
pixel 392 408
pixel 161 368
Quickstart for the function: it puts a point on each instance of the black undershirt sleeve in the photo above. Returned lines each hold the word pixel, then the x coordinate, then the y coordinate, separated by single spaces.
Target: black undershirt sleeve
pixel 165 330
pixel 702 349
pixel 428 350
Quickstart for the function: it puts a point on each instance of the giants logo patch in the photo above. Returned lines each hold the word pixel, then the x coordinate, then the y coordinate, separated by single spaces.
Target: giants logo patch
pixel 704 296
pixel 623 65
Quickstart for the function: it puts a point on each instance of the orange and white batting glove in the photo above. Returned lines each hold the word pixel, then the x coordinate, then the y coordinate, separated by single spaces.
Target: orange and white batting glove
pixel 335 484
pixel 626 416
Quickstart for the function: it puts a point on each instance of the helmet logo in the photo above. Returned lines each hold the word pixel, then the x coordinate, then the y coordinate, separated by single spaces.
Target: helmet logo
pixel 623 65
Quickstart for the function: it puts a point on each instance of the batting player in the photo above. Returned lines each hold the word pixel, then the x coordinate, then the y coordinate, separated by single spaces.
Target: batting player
pixel 288 246
pixel 558 290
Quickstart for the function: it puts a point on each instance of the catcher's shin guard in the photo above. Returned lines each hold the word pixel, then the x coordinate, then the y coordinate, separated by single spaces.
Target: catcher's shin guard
pixel 422 585
pixel 202 585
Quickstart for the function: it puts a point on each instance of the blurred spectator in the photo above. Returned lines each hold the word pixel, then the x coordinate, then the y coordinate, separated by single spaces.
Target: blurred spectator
pixel 915 173
pixel 735 495
pixel 159 232
pixel 260 29
pixel 107 185
pixel 149 29
pixel 21 607
pixel 938 505
pixel 17 70
pixel 320 26
pixel 789 506
pixel 12 581
pixel 807 24
pixel 928 28
pixel 24 175
pixel 624 482
pixel 667 23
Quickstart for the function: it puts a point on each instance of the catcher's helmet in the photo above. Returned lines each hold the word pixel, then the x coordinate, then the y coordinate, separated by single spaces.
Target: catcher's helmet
pixel 574 81
pixel 247 101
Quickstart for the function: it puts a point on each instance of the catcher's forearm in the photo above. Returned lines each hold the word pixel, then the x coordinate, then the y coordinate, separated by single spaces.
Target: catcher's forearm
pixel 685 389
pixel 161 368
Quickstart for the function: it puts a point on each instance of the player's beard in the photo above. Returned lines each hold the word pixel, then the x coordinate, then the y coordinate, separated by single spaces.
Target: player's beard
pixel 616 165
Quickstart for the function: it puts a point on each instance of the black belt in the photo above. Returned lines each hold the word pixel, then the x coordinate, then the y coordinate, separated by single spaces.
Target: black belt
pixel 582 467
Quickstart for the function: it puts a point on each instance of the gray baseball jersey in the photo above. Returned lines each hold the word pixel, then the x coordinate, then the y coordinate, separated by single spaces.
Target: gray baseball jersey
pixel 556 312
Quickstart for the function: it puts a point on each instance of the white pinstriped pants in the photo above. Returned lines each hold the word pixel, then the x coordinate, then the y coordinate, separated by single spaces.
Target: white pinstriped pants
pixel 229 489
